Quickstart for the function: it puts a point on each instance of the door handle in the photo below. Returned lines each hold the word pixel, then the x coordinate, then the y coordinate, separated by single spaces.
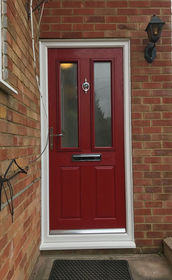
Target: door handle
pixel 52 137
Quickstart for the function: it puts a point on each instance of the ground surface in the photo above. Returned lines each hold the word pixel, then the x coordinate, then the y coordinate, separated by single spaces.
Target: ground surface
pixel 143 267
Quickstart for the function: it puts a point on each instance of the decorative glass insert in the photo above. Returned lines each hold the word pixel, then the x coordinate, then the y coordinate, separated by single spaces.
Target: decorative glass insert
pixel 102 104
pixel 69 105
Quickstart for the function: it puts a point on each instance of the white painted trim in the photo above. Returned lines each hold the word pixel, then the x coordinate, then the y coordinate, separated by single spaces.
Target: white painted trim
pixel 6 87
pixel 87 241
pixel 3 85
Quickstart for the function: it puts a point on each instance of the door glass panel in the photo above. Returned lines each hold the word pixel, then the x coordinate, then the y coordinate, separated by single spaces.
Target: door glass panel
pixel 102 104
pixel 69 105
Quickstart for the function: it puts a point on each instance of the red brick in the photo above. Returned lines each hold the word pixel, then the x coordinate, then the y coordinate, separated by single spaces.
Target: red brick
pixel 97 34
pixel 168 204
pixel 115 19
pixel 153 219
pixel 163 78
pixel 155 234
pixel 152 85
pixel 155 11
pixel 142 227
pixel 49 35
pixel 167 145
pixel 139 204
pixel 141 108
pixel 162 197
pixel 143 212
pixel 136 115
pixel 61 27
pixel 167 100
pixel 51 19
pixel 116 3
pixel 151 100
pixel 128 11
pixel 139 235
pixel 141 93
pixel 152 115
pixel 162 123
pixel 163 4
pixel 83 27
pixel 72 4
pixel 162 211
pixel 105 26
pixel 139 219
pixel 72 19
pixel 138 4
pixel 59 12
pixel 71 35
pixel 141 123
pixel 105 11
pixel 152 159
pixel 141 167
pixel 3 241
pixel 153 204
pixel 167 85
pixel 94 19
pixel 160 227
pixel 83 12
pixel 140 78
pixel 45 27
pixel 154 189
pixel 95 4
pixel 54 5
pixel 151 145
pixel 152 175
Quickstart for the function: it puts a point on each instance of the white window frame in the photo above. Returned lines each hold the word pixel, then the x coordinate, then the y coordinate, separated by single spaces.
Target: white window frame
pixel 86 241
pixel 3 84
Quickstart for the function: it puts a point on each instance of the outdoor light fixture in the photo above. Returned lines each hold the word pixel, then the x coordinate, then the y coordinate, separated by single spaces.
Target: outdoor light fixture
pixel 153 30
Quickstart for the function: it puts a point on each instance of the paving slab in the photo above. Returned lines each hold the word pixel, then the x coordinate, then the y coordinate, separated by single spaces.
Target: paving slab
pixel 142 266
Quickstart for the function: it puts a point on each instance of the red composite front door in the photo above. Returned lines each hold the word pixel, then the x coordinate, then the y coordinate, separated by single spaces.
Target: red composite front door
pixel 86 120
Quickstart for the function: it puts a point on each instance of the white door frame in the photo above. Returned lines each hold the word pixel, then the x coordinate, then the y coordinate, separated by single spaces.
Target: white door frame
pixel 89 240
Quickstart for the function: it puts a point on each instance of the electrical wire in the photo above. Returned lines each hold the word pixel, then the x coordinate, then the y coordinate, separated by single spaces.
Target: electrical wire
pixel 40 155
pixel 6 180
pixel 42 10
pixel 35 62
pixel 3 179
pixel 34 53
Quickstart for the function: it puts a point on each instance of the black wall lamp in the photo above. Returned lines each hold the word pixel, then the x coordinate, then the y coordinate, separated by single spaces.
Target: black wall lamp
pixel 153 30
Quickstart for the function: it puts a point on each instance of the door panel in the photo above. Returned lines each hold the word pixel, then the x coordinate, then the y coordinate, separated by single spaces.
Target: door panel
pixel 105 192
pixel 87 177
pixel 70 183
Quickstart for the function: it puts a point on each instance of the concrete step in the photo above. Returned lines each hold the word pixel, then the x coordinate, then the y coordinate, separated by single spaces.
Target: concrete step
pixel 143 267
pixel 167 248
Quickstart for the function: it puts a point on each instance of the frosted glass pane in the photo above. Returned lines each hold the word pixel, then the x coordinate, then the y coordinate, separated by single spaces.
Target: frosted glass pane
pixel 69 105
pixel 102 104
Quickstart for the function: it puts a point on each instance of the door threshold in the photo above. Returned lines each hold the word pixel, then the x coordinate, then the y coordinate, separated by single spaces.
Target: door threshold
pixel 87 231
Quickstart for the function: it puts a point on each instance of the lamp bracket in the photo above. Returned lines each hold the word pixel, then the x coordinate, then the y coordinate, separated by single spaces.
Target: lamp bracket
pixel 150 52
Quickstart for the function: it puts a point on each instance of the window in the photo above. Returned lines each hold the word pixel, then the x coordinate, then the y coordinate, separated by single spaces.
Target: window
pixel 3 22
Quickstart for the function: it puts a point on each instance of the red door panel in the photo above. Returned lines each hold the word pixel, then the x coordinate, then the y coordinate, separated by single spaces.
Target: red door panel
pixel 70 183
pixel 87 186
pixel 105 192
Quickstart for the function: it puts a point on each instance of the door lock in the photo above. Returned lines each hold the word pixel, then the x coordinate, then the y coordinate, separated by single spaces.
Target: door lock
pixel 52 137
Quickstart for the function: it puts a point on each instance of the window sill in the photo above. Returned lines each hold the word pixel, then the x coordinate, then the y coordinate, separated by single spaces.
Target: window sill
pixel 6 87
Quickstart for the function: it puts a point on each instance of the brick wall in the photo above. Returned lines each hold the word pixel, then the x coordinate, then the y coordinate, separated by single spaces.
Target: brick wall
pixel 151 98
pixel 19 139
